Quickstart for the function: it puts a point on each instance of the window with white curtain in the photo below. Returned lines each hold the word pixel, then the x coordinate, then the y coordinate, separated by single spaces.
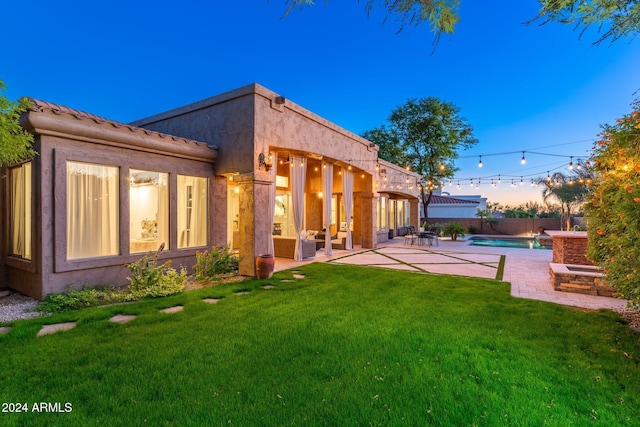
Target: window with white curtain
pixel 148 210
pixel 92 210
pixel 192 211
pixel 382 213
pixel 20 210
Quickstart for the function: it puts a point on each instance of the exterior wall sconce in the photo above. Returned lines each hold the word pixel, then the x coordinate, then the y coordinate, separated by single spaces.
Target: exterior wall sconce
pixel 266 161
pixel 280 99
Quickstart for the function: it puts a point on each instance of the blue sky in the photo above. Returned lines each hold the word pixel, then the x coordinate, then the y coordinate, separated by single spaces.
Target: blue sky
pixel 523 88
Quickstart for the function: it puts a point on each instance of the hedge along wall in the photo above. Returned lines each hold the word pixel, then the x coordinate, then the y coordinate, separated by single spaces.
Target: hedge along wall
pixel 503 226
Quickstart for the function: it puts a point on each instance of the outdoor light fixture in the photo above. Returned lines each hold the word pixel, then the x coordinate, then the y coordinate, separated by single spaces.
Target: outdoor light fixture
pixel 571 163
pixel 480 162
pixel 523 161
pixel 266 161
pixel 280 99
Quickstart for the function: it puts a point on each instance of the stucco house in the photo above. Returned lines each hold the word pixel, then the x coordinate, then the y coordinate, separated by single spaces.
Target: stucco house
pixel 246 168
pixel 443 205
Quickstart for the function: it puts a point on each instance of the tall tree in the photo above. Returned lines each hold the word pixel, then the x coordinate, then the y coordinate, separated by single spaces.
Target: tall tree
pixel 15 142
pixel 614 18
pixel 425 135
pixel 569 191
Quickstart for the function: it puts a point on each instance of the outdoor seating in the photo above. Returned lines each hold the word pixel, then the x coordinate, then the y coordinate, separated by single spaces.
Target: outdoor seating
pixel 411 236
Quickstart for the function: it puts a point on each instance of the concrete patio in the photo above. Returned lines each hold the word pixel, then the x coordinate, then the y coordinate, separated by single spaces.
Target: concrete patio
pixel 526 269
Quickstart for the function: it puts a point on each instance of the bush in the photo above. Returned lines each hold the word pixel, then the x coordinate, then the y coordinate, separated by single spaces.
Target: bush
pixel 151 280
pixel 454 229
pixel 220 261
pixel 74 299
pixel 612 209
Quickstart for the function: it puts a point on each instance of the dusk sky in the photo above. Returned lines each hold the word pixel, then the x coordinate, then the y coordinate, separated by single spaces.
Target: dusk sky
pixel 531 88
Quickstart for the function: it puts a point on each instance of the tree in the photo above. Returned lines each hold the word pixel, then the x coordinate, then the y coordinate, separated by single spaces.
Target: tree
pixel 15 142
pixel 614 18
pixel 613 207
pixel 569 190
pixel 424 135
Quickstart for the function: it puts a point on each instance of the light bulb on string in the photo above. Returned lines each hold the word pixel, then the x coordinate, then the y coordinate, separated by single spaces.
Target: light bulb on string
pixel 499 179
pixel 480 162
pixel 548 176
pixel 458 186
pixel 523 160
pixel 521 181
pixel 571 163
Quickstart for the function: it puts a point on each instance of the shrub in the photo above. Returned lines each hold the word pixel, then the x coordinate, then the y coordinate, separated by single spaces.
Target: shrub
pixel 612 209
pixel 151 280
pixel 454 229
pixel 221 260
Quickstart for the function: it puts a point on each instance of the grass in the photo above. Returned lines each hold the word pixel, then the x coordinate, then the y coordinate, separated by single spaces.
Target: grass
pixel 346 345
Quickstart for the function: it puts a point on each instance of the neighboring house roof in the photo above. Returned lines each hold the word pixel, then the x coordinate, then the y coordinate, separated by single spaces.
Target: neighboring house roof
pixel 44 106
pixel 445 200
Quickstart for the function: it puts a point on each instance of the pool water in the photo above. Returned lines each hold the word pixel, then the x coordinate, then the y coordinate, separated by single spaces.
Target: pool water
pixel 506 242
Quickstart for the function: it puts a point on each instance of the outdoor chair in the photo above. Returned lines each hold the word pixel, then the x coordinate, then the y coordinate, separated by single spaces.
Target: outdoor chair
pixel 411 235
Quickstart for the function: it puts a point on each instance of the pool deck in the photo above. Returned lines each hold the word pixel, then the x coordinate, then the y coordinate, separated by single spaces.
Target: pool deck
pixel 526 269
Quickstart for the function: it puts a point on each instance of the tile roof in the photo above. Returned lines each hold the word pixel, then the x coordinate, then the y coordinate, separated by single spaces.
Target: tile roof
pixel 445 200
pixel 44 106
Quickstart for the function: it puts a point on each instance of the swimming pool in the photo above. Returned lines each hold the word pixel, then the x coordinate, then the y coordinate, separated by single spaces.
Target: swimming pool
pixel 506 242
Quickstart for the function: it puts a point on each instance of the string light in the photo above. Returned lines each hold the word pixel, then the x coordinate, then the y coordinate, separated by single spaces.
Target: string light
pixel 523 160
pixel 480 162
pixel 571 163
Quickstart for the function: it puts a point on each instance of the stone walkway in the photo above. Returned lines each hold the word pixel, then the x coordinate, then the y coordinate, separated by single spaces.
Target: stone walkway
pixel 126 318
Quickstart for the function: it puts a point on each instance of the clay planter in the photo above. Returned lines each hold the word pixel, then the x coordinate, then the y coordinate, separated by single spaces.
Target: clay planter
pixel 264 266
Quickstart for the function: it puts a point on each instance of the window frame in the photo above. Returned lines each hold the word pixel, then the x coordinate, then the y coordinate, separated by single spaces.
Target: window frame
pixel 11 259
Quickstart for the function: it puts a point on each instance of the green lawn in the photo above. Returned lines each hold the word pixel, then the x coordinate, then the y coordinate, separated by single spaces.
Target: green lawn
pixel 344 346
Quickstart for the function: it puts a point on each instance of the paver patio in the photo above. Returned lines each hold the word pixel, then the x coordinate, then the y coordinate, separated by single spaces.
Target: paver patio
pixel 526 269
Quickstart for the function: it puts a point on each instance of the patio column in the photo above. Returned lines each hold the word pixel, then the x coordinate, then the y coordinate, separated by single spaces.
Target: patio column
pixel 255 229
pixel 298 175
pixel 347 192
pixel 327 185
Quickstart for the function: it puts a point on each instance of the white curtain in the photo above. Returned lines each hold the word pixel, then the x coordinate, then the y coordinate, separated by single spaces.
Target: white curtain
pixel 162 216
pixel 272 201
pixel 347 193
pixel 192 211
pixel 298 175
pixel 21 211
pixel 92 210
pixel 327 185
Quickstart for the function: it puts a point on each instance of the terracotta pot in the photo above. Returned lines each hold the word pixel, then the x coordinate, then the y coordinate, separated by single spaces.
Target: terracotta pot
pixel 264 266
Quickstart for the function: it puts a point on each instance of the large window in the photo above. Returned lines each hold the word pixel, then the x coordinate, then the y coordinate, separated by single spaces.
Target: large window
pixel 92 210
pixel 21 211
pixel 192 211
pixel 149 211
pixel 283 224
pixel 381 211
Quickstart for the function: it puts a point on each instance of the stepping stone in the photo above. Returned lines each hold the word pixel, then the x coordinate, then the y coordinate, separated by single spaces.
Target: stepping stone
pixel 268 287
pixel 122 318
pixel 242 293
pixel 298 276
pixel 287 280
pixel 4 294
pixel 51 329
pixel 4 329
pixel 172 310
pixel 211 300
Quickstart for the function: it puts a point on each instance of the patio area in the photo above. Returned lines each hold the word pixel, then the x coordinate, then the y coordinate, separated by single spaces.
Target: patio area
pixel 526 269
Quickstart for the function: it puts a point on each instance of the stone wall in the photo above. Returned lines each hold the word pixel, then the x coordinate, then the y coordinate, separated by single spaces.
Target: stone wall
pixel 570 247
pixel 582 280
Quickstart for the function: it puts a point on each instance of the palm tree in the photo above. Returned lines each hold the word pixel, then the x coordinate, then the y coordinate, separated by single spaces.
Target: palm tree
pixel 568 190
